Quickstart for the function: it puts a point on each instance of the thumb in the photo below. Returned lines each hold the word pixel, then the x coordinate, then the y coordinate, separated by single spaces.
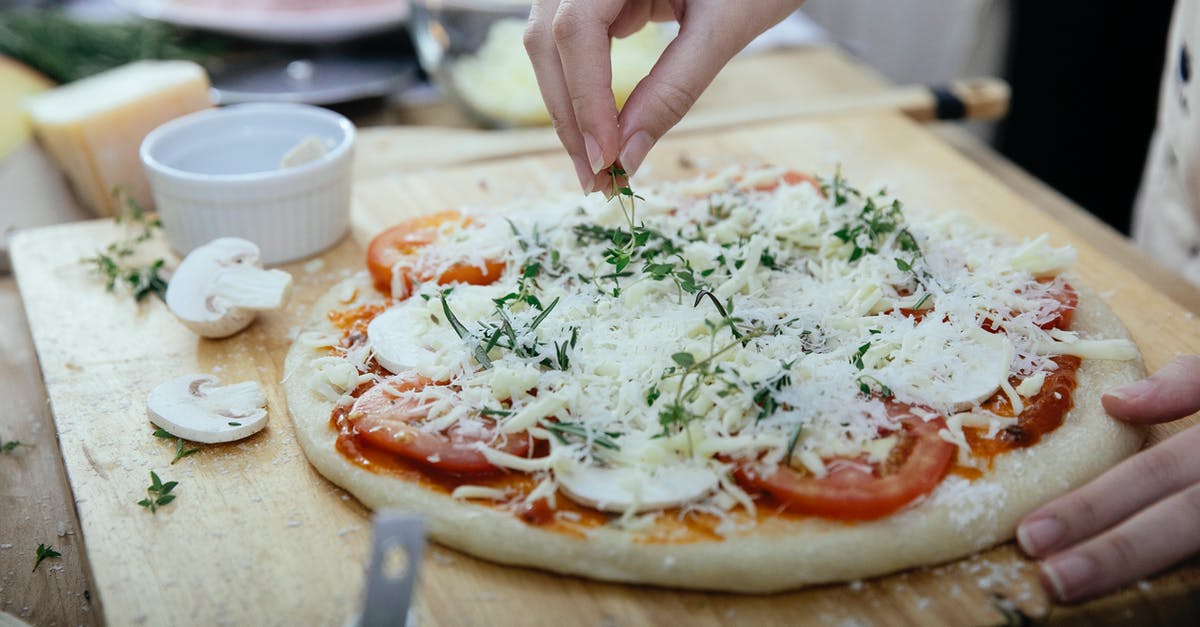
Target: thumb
pixel 1172 392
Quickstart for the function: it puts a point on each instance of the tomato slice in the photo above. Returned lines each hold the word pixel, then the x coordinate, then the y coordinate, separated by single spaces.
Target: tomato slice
pixel 408 238
pixel 391 422
pixel 852 492
pixel 790 177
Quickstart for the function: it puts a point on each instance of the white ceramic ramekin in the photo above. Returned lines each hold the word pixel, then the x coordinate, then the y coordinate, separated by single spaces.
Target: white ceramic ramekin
pixel 218 173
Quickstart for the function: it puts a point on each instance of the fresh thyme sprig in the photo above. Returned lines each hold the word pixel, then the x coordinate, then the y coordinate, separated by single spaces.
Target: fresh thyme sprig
pixel 868 385
pixel 765 391
pixel 113 263
pixel 181 450
pixel 7 447
pixel 44 551
pixel 160 493
pixel 676 415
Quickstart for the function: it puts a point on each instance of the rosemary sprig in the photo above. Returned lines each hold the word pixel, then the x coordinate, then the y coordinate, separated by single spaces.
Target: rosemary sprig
pixel 160 493
pixel 68 49
pixel 44 551
pixel 7 447
pixel 504 335
pixel 792 442
pixel 563 429
pixel 480 352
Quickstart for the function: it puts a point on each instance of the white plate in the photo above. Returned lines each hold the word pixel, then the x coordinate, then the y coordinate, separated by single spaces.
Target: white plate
pixel 272 21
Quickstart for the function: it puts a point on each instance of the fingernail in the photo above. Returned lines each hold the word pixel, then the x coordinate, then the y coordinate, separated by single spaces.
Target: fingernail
pixel 1038 536
pixel 587 179
pixel 635 151
pixel 594 154
pixel 1071 572
pixel 1133 390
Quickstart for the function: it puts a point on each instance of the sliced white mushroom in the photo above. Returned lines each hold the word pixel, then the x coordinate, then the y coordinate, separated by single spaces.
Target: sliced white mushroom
pixel 641 489
pixel 219 288
pixel 197 407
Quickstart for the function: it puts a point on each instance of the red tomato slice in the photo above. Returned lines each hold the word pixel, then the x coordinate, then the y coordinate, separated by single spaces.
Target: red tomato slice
pixel 852 492
pixel 407 238
pixel 790 177
pixel 392 422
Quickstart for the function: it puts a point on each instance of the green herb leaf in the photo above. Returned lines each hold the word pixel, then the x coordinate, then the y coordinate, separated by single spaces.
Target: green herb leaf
pixel 160 493
pixel 686 360
pixel 563 429
pixel 44 551
pixel 481 354
pixel 7 447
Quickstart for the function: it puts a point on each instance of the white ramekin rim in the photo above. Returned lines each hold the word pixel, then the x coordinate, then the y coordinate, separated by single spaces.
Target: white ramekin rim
pixel 163 134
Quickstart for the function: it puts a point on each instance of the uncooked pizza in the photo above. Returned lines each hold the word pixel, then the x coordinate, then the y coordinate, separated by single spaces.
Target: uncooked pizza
pixel 752 381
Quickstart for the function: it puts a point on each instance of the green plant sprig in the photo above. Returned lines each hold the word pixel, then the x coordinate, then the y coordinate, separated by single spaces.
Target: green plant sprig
pixel 44 551
pixel 7 447
pixel 504 335
pixel 181 449
pixel 112 263
pixel 159 493
pixel 561 430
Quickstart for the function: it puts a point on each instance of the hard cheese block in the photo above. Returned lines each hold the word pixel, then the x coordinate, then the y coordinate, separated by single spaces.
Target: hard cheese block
pixel 94 127
pixel 17 81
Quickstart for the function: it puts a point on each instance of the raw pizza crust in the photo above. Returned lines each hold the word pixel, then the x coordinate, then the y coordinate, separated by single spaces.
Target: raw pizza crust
pixel 959 518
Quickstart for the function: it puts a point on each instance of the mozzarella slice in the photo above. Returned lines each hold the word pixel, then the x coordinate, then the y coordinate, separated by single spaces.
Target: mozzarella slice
pixel 945 365
pixel 410 338
pixel 624 488
pixel 414 335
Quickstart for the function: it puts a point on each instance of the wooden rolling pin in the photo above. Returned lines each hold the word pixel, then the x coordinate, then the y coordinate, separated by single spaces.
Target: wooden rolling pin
pixel 391 147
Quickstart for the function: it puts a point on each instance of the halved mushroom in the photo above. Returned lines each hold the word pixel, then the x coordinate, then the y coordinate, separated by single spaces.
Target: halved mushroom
pixel 197 407
pixel 621 488
pixel 219 288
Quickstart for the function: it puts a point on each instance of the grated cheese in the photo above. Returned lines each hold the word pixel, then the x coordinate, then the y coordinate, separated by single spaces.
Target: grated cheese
pixel 655 377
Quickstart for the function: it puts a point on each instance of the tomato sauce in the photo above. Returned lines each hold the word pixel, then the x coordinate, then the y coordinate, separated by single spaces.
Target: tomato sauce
pixel 1043 413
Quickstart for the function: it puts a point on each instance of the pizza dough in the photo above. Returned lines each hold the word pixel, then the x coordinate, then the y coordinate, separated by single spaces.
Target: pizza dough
pixel 958 518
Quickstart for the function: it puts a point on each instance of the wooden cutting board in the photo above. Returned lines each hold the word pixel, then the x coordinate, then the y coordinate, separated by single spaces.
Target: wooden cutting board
pixel 257 537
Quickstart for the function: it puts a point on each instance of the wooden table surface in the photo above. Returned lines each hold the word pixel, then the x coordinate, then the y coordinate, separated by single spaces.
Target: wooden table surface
pixel 36 505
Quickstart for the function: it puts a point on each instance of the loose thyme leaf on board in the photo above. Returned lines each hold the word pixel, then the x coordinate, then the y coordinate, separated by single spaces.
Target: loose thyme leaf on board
pixel 44 551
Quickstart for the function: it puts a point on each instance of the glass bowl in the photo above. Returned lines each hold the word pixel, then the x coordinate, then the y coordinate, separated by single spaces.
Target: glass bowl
pixel 473 50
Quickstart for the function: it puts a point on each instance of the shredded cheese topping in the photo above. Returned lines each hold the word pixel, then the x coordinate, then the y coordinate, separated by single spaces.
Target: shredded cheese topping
pixel 743 325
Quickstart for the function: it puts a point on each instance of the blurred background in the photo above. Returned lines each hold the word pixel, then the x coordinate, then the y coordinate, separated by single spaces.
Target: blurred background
pixel 1084 75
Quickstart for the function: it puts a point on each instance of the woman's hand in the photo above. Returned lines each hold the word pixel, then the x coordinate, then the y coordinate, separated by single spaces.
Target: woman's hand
pixel 1138 517
pixel 568 42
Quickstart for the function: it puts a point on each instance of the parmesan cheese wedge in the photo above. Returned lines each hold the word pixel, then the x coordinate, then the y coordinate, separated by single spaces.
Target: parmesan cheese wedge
pixel 622 489
pixel 94 127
